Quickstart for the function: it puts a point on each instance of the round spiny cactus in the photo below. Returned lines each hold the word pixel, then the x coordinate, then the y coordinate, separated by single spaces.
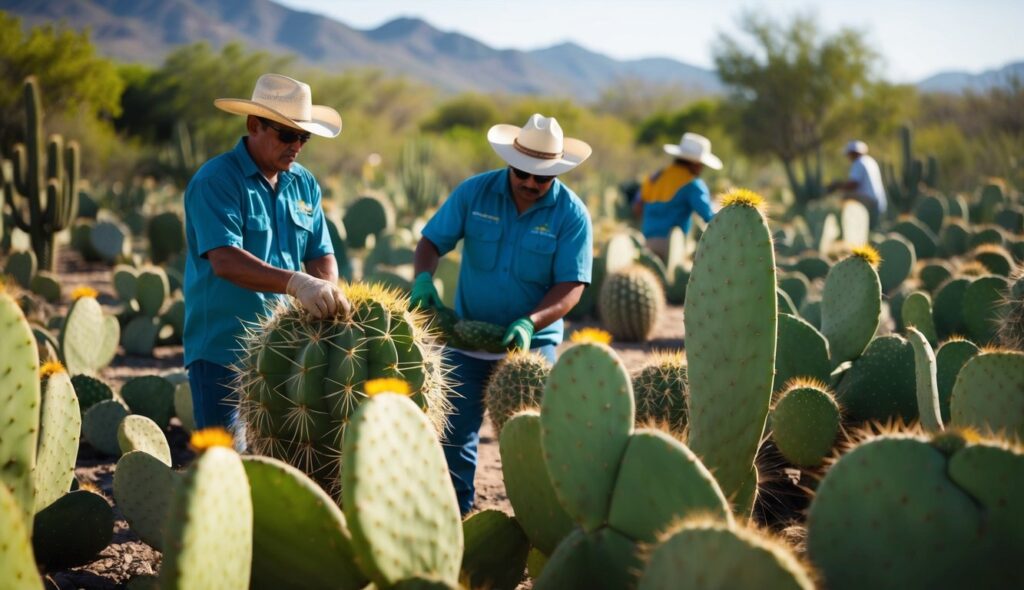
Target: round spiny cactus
pixel 660 391
pixel 630 303
pixel 301 379
pixel 516 384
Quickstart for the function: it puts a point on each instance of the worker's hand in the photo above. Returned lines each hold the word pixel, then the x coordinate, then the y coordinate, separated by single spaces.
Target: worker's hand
pixel 423 293
pixel 520 333
pixel 320 298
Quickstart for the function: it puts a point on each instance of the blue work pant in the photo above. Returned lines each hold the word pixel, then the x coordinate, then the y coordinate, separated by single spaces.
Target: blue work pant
pixel 462 438
pixel 213 403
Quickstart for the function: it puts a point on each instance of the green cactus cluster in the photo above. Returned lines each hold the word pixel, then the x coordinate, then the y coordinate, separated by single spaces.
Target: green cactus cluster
pixel 631 302
pixel 517 383
pixel 301 379
pixel 660 388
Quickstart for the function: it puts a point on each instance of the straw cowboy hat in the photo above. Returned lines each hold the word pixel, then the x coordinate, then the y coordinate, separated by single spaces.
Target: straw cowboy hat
pixel 856 146
pixel 287 101
pixel 539 147
pixel 694 148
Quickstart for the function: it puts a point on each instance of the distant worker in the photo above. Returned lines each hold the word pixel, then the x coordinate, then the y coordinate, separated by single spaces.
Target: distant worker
pixel 252 221
pixel 526 258
pixel 669 197
pixel 864 183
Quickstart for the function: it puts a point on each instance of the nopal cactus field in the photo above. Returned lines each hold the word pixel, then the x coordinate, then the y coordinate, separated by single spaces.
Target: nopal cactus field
pixel 788 397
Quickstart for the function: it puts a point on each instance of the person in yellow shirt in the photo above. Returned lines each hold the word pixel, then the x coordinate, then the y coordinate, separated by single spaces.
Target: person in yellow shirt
pixel 670 196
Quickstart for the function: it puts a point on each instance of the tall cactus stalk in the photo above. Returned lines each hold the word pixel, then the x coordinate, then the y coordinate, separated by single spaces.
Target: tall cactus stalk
pixel 43 195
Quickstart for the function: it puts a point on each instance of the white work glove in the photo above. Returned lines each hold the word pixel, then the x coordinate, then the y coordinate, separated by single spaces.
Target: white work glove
pixel 319 297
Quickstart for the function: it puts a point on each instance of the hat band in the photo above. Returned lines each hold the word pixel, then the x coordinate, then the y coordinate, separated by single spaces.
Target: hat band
pixel 534 153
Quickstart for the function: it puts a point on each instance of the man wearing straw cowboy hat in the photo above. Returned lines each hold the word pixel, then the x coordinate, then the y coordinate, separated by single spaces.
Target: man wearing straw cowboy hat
pixel 670 196
pixel 252 221
pixel 526 260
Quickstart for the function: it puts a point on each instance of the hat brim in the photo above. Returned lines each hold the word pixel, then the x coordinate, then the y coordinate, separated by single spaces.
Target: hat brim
pixel 501 138
pixel 710 160
pixel 325 121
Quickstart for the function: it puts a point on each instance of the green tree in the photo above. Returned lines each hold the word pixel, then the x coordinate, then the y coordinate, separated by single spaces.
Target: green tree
pixel 669 127
pixel 789 92
pixel 73 79
pixel 471 110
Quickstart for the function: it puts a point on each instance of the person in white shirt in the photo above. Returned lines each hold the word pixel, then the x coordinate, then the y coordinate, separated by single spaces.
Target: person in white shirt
pixel 864 183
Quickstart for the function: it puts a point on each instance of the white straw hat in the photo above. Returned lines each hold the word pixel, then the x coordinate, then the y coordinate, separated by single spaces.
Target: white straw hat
pixel 286 101
pixel 694 148
pixel 856 146
pixel 539 147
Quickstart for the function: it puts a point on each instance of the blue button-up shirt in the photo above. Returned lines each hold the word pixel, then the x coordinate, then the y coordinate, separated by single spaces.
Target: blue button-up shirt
pixel 229 203
pixel 511 260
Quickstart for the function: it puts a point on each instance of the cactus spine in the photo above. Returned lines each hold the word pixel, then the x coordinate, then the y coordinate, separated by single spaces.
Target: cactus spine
pixel 44 193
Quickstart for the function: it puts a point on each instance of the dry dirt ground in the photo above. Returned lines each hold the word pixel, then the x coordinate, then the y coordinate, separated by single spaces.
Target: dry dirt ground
pixel 127 557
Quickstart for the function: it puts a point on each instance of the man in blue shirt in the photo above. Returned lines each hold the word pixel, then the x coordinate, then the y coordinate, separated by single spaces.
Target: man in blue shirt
pixel 252 219
pixel 670 196
pixel 527 256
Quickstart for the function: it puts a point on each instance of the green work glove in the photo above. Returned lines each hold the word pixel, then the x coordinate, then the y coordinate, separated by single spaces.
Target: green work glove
pixel 423 293
pixel 519 332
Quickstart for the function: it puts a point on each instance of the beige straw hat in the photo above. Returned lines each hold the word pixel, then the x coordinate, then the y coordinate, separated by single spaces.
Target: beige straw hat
pixel 288 102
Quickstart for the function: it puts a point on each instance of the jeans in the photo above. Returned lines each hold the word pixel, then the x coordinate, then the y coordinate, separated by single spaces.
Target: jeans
pixel 213 402
pixel 463 434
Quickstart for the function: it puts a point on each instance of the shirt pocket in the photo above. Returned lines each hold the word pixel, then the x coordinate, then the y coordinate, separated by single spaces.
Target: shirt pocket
pixel 482 240
pixel 303 222
pixel 535 263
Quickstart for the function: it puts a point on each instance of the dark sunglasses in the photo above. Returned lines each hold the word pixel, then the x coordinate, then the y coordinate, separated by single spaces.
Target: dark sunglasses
pixel 286 135
pixel 523 175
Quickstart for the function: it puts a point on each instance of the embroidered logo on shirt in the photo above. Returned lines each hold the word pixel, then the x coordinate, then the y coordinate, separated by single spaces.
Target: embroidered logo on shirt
pixel 543 230
pixel 305 207
pixel 487 216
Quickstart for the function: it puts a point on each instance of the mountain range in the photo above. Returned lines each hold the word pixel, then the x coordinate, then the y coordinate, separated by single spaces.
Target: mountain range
pixel 147 30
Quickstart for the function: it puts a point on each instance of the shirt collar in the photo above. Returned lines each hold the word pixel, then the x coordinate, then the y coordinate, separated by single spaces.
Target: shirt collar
pixel 249 167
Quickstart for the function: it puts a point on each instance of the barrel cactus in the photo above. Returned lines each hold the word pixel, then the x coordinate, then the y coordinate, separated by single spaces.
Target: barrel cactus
pixel 516 384
pixel 660 391
pixel 301 379
pixel 630 303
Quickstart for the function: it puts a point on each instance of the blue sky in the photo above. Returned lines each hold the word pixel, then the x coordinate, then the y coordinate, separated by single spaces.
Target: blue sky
pixel 917 38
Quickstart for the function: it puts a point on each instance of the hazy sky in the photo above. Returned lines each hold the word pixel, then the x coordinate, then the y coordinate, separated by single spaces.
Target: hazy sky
pixel 917 38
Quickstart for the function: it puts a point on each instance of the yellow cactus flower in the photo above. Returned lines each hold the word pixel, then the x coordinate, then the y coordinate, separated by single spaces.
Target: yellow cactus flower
pixel 386 385
pixel 743 197
pixel 83 291
pixel 591 335
pixel 869 254
pixel 50 368
pixel 211 437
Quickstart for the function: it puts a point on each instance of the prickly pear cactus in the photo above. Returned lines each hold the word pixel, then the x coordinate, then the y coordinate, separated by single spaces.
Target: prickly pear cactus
pixel 60 427
pixel 301 380
pixel 659 482
pixel 660 391
pixel 987 394
pixel 19 405
pixel 927 386
pixel 586 418
pixel 630 303
pixel 731 322
pixel 947 497
pixel 144 488
pixel 208 541
pixel 397 495
pixel 139 433
pixel 496 550
pixel 949 359
pixel 805 423
pixel 477 335
pixel 715 554
pixel 517 383
pixel 601 559
pixel 917 312
pixel 851 305
pixel 529 486
pixel 300 538
pixel 88 339
pixel 73 530
pixel 16 559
